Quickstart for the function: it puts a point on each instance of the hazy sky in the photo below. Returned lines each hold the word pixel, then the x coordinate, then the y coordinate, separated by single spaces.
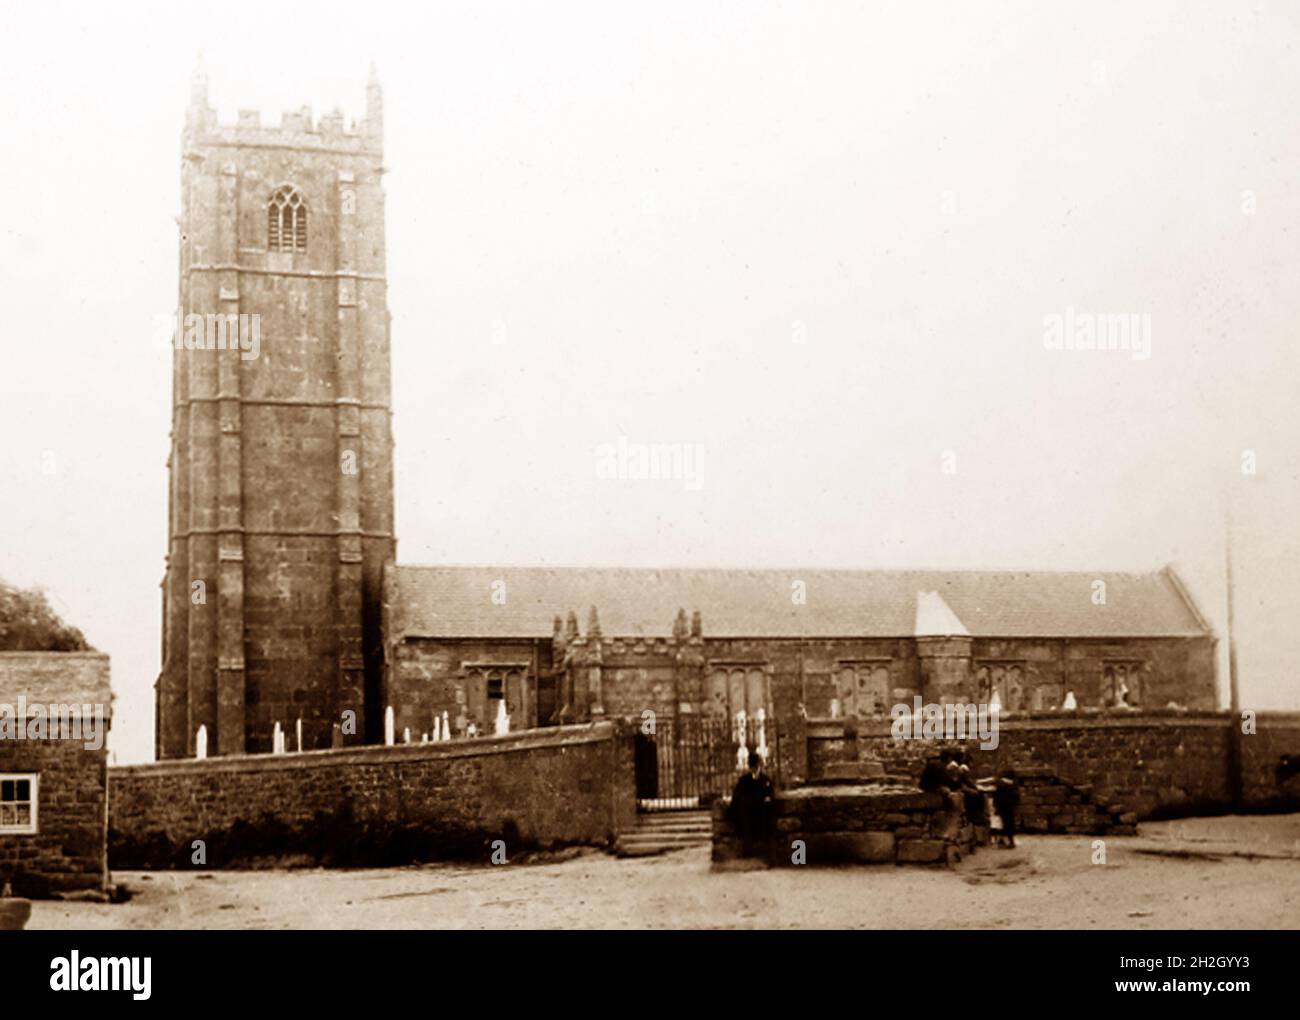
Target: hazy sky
pixel 819 240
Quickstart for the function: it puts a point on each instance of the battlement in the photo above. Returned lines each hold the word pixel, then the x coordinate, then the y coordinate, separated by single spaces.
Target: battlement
pixel 684 633
pixel 298 129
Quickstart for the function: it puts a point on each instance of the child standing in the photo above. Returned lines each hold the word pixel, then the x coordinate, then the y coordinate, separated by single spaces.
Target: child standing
pixel 1006 799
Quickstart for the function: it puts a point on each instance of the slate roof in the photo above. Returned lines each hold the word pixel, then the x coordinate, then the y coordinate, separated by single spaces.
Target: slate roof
pixel 456 601
pixel 56 678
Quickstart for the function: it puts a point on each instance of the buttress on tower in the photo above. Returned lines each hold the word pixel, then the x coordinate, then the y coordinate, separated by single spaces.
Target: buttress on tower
pixel 281 464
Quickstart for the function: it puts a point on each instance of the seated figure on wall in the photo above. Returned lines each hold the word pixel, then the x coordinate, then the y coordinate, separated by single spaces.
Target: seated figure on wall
pixel 934 777
pixel 943 775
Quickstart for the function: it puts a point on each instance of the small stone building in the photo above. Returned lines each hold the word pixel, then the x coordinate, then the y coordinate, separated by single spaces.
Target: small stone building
pixel 55 711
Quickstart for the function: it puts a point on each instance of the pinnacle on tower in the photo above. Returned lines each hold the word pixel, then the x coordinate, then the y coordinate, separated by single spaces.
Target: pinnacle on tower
pixel 198 111
pixel 374 105
pixel 199 83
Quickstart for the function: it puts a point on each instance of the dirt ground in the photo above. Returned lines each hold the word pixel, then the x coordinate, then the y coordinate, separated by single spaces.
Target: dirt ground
pixel 1230 872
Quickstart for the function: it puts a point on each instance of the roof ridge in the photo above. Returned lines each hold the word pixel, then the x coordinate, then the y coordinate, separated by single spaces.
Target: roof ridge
pixel 1052 571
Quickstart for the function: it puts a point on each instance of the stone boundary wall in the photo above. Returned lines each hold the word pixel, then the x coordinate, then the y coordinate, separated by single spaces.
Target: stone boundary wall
pixel 853 824
pixel 1157 764
pixel 535 789
pixel 1049 803
pixel 1277 733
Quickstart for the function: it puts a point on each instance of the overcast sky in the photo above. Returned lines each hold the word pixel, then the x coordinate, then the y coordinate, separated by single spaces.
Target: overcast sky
pixel 819 240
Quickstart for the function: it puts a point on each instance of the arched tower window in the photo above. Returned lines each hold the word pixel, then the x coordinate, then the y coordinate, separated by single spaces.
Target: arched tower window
pixel 286 221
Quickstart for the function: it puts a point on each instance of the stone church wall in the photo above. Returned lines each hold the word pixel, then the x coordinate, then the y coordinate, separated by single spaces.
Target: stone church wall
pixel 791 679
pixel 1179 670
pixel 425 677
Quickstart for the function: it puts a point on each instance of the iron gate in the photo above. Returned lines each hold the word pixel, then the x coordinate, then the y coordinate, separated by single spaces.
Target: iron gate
pixel 689 761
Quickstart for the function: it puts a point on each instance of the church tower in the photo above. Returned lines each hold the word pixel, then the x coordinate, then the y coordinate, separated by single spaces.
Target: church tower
pixel 281 463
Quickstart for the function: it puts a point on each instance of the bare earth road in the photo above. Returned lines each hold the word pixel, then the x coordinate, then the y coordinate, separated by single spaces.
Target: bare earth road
pixel 1232 872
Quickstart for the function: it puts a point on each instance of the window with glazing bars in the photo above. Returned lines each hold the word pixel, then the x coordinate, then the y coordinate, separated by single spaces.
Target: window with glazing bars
pixel 286 221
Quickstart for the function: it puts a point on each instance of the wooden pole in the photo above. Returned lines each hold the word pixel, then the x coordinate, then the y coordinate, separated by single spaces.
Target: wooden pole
pixel 1234 694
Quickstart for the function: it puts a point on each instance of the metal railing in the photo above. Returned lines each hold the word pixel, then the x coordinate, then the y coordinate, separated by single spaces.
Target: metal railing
pixel 691 760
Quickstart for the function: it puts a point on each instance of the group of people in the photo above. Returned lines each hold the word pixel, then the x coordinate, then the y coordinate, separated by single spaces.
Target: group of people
pixel 751 807
pixel 950 773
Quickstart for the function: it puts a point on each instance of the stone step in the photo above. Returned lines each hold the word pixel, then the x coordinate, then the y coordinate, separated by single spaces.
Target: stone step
pixel 704 833
pixel 644 844
pixel 704 824
pixel 646 850
pixel 683 838
pixel 666 817
pixel 658 832
pixel 685 825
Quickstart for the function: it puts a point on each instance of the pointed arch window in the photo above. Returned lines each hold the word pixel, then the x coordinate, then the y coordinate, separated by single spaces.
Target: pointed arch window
pixel 286 221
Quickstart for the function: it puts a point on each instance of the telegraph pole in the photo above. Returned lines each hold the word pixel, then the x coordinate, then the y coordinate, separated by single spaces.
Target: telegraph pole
pixel 1234 694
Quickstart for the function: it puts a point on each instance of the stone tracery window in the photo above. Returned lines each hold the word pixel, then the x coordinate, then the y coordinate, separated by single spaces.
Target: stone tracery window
pixel 286 221
pixel 487 684
pixel 863 689
pixel 1121 684
pixel 1006 679
pixel 735 688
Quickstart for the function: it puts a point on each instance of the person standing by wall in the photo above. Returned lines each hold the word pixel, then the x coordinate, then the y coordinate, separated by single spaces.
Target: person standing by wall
pixel 1006 800
pixel 750 810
